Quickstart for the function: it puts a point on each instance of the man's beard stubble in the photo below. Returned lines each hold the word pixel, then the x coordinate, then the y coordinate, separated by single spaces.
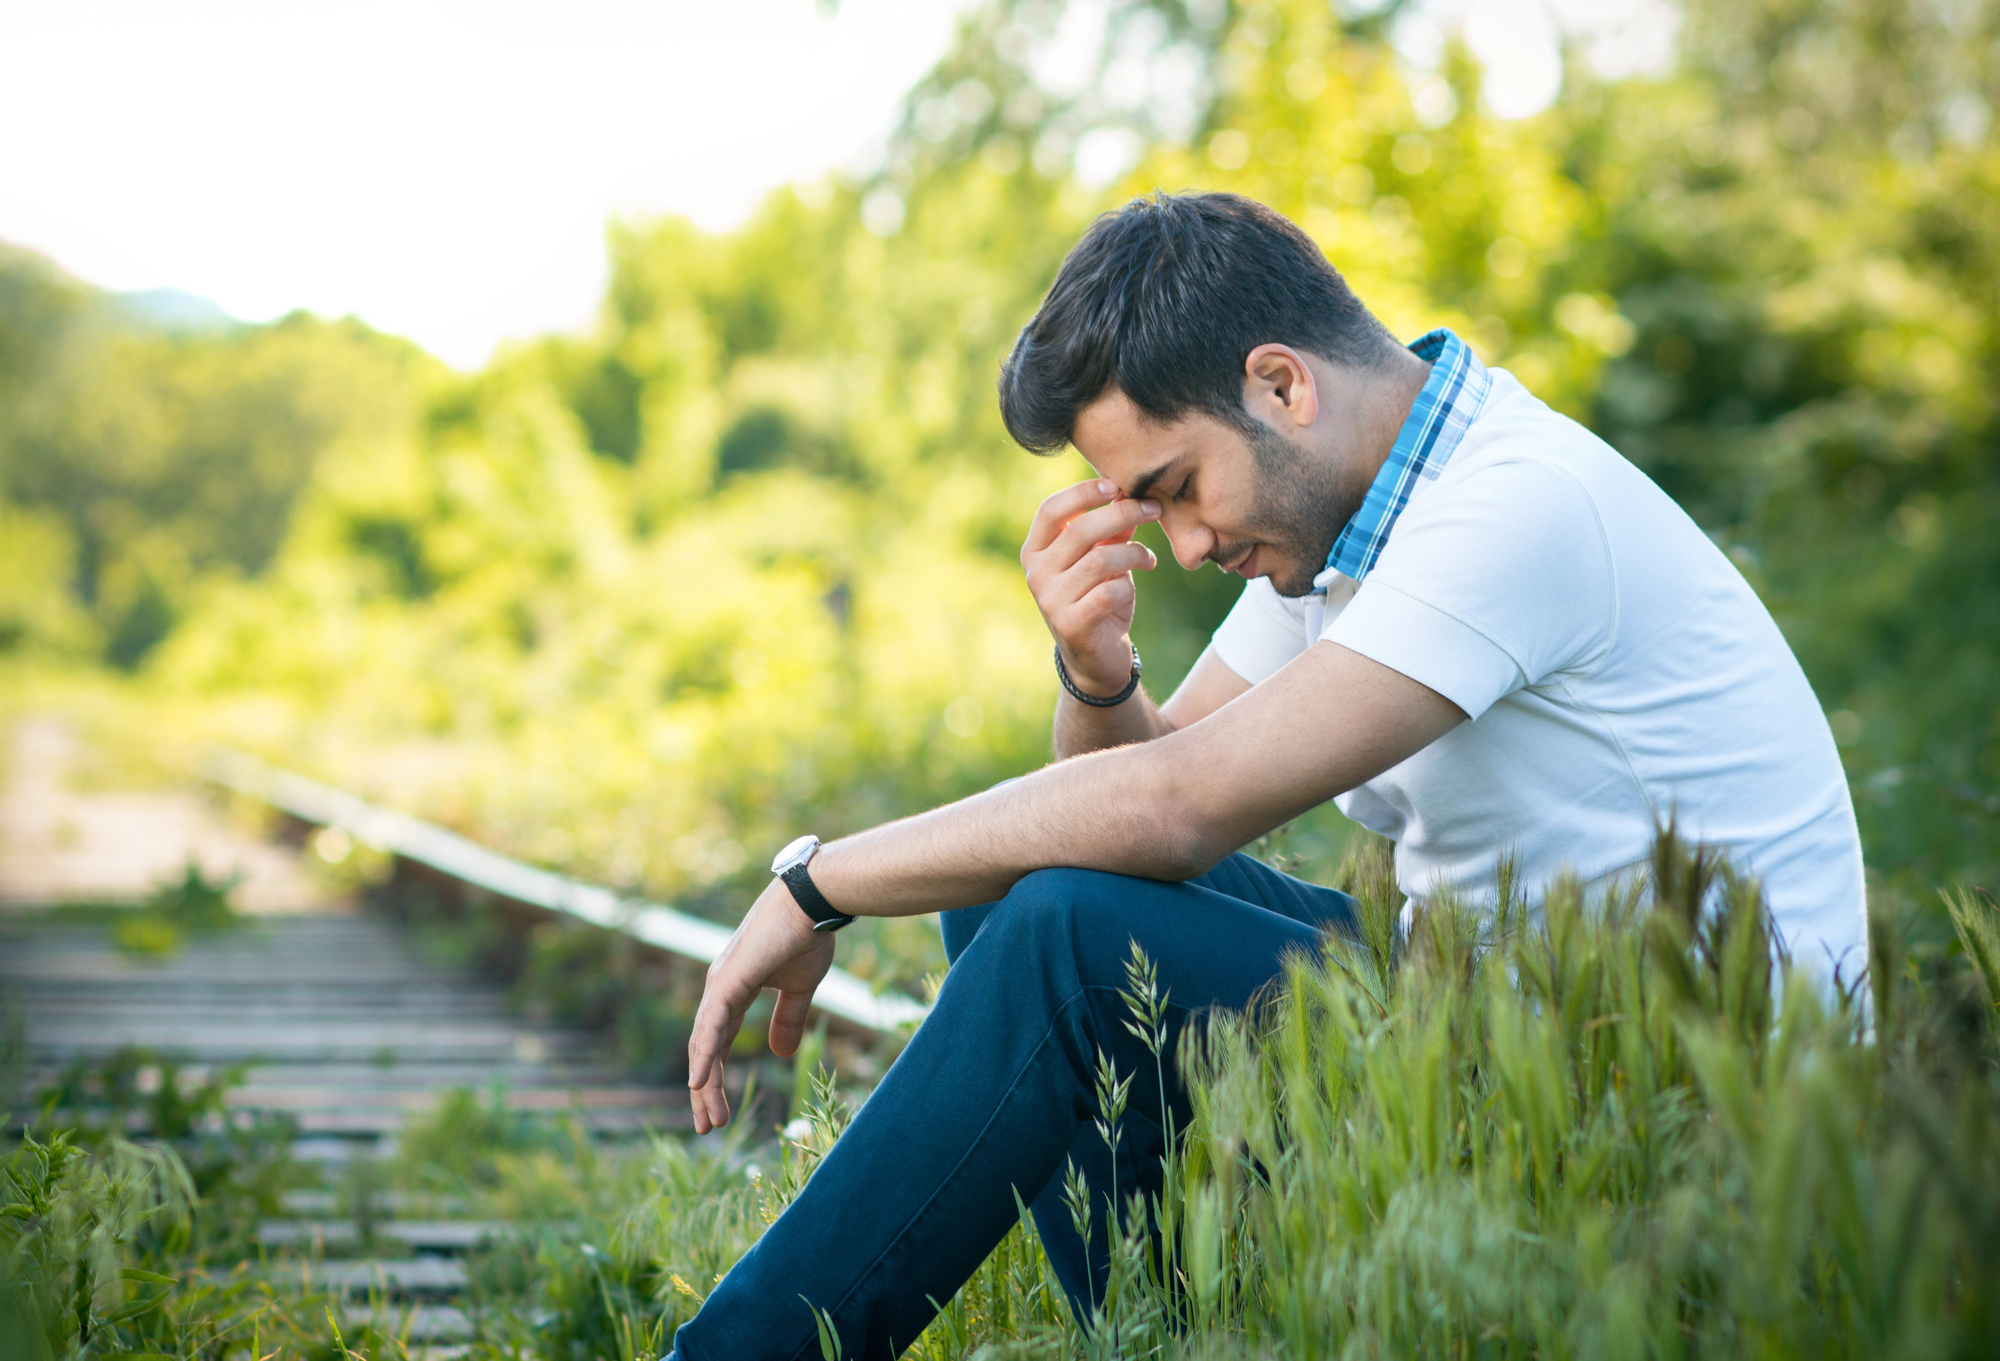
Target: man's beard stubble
pixel 1302 505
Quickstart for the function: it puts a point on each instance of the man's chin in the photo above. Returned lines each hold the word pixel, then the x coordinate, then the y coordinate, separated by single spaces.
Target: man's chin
pixel 1289 579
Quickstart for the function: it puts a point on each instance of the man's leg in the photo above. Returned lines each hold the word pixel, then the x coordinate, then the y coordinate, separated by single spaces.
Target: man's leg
pixel 1083 1268
pixel 991 1095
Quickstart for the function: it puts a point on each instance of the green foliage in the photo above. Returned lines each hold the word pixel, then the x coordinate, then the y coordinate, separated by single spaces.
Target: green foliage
pixel 235 1162
pixel 146 462
pixel 67 1218
pixel 1013 1302
pixel 464 1140
pixel 38 613
pixel 113 1245
pixel 615 1248
pixel 1600 1130
pixel 1566 1129
pixel 175 911
pixel 1978 926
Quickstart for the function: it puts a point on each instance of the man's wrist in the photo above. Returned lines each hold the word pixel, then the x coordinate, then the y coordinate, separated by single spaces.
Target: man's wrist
pixel 1086 675
pixel 790 868
pixel 1088 691
pixel 786 904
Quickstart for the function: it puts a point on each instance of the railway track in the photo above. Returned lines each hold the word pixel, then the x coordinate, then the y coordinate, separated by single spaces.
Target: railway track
pixel 343 1026
pixel 346 1029
pixel 349 1033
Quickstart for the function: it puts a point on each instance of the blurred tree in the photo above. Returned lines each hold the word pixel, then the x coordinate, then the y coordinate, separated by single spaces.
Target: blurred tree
pixel 742 560
pixel 1804 229
pixel 167 455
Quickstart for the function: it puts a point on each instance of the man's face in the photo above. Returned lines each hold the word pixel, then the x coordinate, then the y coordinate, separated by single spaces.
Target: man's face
pixel 1258 505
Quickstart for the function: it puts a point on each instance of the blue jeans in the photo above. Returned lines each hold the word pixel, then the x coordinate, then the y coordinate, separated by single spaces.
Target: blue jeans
pixel 995 1091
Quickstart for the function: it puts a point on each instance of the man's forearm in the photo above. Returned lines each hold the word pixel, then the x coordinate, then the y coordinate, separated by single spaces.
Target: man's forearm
pixel 1124 811
pixel 1166 809
pixel 1085 727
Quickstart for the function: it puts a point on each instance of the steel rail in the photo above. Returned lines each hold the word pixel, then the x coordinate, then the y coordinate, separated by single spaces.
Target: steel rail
pixel 840 993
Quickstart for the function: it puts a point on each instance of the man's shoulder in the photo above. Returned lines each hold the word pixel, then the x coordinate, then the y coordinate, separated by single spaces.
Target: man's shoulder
pixel 1519 447
pixel 1530 486
pixel 1514 425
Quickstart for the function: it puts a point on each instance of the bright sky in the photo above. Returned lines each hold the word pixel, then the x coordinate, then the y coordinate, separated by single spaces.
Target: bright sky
pixel 445 169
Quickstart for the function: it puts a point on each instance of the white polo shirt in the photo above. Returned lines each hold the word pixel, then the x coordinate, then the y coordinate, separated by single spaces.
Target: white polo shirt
pixel 1617 669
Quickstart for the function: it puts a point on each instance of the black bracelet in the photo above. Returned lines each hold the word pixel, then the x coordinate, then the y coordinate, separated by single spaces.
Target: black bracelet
pixel 1097 701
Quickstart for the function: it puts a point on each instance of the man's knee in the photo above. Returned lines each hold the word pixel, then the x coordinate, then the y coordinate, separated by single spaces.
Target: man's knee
pixel 1061 907
pixel 1044 905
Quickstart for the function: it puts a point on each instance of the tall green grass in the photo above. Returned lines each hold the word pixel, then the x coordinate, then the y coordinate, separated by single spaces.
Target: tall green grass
pixel 1565 1129
pixel 1615 1129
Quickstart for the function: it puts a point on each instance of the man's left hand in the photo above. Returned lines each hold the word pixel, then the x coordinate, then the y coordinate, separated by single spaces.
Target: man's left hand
pixel 774 947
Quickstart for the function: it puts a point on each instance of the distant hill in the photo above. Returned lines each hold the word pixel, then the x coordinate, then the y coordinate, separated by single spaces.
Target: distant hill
pixel 172 309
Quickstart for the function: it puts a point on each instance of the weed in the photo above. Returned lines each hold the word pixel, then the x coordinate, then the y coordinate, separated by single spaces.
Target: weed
pixel 193 905
pixel 1624 1127
pixel 238 1161
pixel 1614 1126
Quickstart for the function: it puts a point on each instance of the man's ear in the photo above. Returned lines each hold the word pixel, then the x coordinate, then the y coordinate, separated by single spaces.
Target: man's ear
pixel 1278 383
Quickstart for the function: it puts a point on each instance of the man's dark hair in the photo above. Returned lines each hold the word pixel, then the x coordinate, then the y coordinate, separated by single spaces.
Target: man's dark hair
pixel 1165 298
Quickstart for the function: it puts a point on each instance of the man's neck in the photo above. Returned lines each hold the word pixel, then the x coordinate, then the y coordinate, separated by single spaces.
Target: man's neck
pixel 1392 393
pixel 1374 404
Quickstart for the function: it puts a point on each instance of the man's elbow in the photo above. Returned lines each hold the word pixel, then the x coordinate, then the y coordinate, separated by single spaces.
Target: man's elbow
pixel 1186 841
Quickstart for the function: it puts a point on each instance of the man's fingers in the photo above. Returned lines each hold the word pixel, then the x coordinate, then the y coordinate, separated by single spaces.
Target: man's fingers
pixel 1059 508
pixel 707 1098
pixel 715 1025
pixel 788 1022
pixel 1109 560
pixel 1095 590
pixel 1083 555
pixel 1106 562
pixel 703 1050
pixel 715 1029
pixel 1109 597
pixel 710 1104
pixel 1110 524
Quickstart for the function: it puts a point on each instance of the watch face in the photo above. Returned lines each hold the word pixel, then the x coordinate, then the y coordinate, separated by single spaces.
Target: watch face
pixel 795 853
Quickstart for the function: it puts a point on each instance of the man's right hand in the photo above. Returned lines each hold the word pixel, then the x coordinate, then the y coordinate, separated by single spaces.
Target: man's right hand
pixel 1079 558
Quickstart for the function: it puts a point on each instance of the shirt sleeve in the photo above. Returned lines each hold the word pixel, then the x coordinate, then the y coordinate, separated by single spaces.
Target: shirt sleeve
pixel 1262 632
pixel 1495 581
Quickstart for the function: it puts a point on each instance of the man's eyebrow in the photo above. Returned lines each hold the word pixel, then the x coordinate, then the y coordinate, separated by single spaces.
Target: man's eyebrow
pixel 1146 481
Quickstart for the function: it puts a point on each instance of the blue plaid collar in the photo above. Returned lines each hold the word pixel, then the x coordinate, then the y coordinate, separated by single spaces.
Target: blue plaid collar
pixel 1443 412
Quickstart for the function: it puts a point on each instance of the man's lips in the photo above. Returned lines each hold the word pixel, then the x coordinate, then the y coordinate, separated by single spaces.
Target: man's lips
pixel 1243 564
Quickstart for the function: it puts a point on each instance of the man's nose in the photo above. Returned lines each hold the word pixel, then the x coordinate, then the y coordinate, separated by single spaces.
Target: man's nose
pixel 1190 542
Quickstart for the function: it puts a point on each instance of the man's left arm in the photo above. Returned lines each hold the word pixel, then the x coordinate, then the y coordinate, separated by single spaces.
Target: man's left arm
pixel 1169 809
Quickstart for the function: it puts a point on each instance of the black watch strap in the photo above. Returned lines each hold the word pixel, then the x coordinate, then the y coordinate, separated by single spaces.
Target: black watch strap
pixel 826 917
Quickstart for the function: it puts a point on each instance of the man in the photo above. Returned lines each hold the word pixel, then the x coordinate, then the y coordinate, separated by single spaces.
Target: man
pixel 1466 618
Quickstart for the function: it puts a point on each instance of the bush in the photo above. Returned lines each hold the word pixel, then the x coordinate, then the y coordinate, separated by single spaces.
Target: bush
pixel 1605 1130
pixel 236 1163
pixel 1567 1129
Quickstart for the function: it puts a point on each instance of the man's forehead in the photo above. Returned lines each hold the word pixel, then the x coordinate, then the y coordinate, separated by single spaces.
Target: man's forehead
pixel 1123 443
pixel 1111 418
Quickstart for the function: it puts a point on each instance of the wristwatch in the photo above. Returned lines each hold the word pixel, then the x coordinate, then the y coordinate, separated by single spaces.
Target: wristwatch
pixel 791 867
